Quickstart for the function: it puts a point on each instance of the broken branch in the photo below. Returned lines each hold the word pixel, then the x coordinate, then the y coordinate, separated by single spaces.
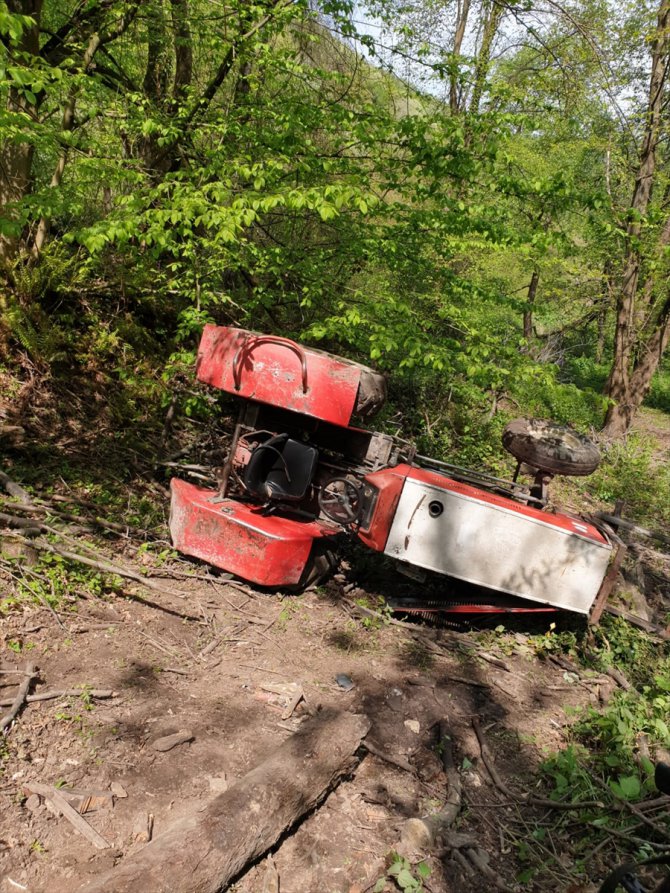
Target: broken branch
pixel 99 693
pixel 73 817
pixel 19 699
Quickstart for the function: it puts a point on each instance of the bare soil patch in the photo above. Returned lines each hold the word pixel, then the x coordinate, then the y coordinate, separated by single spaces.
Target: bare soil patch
pixel 222 678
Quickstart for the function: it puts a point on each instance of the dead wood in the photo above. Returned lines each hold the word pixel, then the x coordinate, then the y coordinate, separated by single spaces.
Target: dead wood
pixel 168 742
pixel 106 567
pixel 616 521
pixel 13 488
pixel 388 758
pixel 42 508
pixel 66 693
pixel 29 527
pixel 67 811
pixel 30 673
pixel 620 679
pixel 530 799
pixel 657 633
pixel 424 832
pixel 206 850
pixel 480 859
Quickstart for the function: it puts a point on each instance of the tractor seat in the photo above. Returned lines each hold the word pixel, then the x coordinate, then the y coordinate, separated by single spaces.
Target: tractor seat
pixel 280 469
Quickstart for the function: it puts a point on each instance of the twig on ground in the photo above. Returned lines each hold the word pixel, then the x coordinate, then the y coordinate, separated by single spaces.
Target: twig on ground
pixel 387 758
pixel 636 811
pixel 99 693
pixel 479 858
pixel 30 527
pixel 627 836
pixel 38 595
pixel 620 679
pixel 106 567
pixel 30 673
pixel 487 760
pixel 43 507
pixel 527 798
pixel 164 648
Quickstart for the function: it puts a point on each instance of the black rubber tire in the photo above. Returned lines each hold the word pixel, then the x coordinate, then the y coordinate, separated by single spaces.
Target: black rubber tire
pixel 551 447
pixel 371 394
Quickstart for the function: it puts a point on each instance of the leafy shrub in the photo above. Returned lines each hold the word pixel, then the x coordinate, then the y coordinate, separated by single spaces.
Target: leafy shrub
pixel 629 472
pixel 659 395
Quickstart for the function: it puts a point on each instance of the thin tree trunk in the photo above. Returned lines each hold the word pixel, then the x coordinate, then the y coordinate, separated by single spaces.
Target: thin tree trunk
pixel 461 23
pixel 158 62
pixel 605 304
pixel 528 313
pixel 66 127
pixel 490 29
pixel 183 49
pixel 16 158
pixel 619 387
pixel 651 354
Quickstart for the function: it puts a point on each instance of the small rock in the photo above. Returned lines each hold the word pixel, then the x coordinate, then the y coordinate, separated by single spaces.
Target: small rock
pixel 143 828
pixel 118 790
pixel 33 802
pixel 218 784
pixel 413 725
pixel 345 682
pixel 416 836
pixel 162 745
pixel 271 879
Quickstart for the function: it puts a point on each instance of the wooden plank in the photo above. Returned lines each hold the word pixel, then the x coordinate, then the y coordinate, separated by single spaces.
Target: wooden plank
pixel 73 817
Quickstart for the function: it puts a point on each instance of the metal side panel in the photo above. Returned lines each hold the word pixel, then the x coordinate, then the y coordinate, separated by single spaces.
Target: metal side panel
pixel 494 547
pixel 272 373
pixel 266 549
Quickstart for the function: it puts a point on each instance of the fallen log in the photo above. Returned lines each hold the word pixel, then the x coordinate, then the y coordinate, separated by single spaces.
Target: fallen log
pixel 13 488
pixel 203 852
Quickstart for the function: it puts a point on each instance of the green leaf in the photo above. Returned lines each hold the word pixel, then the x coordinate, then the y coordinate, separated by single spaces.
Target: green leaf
pixel 423 869
pixel 406 880
pixel 629 786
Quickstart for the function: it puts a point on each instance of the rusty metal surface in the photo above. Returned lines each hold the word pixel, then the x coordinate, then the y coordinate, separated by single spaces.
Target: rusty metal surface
pixel 269 550
pixel 608 583
pixel 276 372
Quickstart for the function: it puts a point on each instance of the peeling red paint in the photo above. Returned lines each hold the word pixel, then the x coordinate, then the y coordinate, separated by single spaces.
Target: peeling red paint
pixel 332 384
pixel 264 549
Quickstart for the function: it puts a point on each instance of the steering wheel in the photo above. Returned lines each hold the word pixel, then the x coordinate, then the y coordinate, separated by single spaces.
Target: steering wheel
pixel 340 500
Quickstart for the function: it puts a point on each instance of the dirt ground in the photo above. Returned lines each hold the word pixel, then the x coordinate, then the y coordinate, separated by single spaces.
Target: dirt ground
pixel 209 663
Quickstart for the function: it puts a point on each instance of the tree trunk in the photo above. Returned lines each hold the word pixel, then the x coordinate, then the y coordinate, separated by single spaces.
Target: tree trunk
pixel 66 127
pixel 494 13
pixel 605 304
pixel 183 49
pixel 461 24
pixel 204 851
pixel 626 387
pixel 528 313
pixel 16 158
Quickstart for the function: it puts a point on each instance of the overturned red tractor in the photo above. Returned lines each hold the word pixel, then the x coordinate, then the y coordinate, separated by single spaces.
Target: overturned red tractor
pixel 300 476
